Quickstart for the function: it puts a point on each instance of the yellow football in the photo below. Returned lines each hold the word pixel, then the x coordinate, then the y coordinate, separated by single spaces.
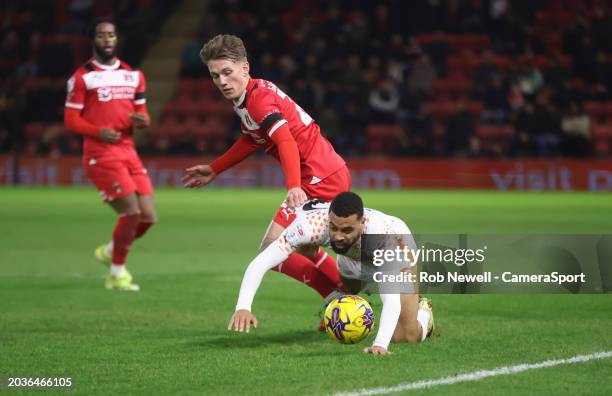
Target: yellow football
pixel 349 319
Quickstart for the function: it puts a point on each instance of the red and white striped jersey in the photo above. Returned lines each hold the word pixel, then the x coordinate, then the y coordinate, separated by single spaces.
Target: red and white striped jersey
pixel 263 108
pixel 106 96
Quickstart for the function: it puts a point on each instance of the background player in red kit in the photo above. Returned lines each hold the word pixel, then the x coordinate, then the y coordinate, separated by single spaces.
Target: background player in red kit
pixel 105 103
pixel 272 121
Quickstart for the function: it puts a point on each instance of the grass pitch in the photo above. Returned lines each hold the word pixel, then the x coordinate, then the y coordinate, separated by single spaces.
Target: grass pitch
pixel 57 320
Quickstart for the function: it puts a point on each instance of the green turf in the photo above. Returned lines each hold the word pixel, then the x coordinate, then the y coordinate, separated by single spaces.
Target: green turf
pixel 170 338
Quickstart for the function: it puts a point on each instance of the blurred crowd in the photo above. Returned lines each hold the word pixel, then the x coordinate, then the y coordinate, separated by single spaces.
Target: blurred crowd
pixel 42 42
pixel 407 78
pixel 352 64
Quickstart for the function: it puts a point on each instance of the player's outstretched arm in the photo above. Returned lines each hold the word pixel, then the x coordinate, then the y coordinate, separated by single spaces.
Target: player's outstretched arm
pixel 388 322
pixel 269 258
pixel 242 320
pixel 272 256
pixel 201 175
pixel 198 176
pixel 289 155
pixel 377 350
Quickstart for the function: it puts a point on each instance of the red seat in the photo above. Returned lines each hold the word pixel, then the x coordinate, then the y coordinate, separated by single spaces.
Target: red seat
pixel 169 128
pixel 494 138
pixel 541 61
pixel 197 88
pixel 220 108
pixel 601 131
pixel 34 130
pixel 597 110
pixel 181 107
pixel 381 136
pixel 494 132
pixel 552 40
pixel 477 42
pixel 602 147
pixel 462 65
pixel 384 131
pixel 552 19
pixel 501 61
pixel 428 38
pixel 441 109
pixel 452 87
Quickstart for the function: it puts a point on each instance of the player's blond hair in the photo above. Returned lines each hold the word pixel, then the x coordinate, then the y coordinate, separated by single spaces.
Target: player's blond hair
pixel 223 46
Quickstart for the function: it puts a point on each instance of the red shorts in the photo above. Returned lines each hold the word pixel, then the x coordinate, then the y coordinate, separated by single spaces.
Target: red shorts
pixel 325 190
pixel 119 177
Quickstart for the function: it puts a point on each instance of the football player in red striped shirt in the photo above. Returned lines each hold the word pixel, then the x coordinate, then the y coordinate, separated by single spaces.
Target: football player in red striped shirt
pixel 105 103
pixel 270 120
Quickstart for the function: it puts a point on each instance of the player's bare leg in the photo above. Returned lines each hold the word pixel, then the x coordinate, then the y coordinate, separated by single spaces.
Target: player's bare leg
pixel 128 209
pixel 148 215
pixel 416 320
pixel 273 231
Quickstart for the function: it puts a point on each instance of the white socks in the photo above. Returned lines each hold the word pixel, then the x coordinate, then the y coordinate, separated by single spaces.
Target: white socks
pixel 117 270
pixel 108 249
pixel 423 319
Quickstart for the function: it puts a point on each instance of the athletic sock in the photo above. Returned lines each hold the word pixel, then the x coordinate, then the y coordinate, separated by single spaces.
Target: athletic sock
pixel 123 236
pixel 117 270
pixel 142 228
pixel 108 249
pixel 303 270
pixel 423 318
pixel 327 264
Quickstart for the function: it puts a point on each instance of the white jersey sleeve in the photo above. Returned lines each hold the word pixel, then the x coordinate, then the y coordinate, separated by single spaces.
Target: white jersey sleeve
pixel 272 256
pixel 380 223
pixel 309 228
pixel 389 316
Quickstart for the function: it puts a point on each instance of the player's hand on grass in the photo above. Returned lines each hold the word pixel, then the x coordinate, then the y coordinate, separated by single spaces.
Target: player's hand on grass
pixel 198 176
pixel 109 135
pixel 296 197
pixel 241 320
pixel 376 350
pixel 139 120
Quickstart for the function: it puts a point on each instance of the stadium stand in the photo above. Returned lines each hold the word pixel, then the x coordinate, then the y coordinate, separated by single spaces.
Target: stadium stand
pixel 390 60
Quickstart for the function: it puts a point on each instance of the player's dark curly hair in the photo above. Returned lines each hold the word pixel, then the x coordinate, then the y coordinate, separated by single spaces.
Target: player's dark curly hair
pixel 347 204
pixel 91 30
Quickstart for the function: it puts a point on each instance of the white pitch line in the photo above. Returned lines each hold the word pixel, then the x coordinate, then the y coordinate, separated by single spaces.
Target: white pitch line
pixel 476 375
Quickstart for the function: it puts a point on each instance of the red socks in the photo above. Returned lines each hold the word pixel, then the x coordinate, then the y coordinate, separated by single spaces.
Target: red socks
pixel 303 270
pixel 123 235
pixel 141 229
pixel 327 265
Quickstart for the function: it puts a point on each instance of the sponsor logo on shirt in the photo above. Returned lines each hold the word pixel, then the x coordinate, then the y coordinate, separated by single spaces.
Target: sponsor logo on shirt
pixel 106 94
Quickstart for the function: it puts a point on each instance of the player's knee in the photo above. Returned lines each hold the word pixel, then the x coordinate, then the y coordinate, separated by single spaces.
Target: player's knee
pixel 131 212
pixel 126 206
pixel 148 216
pixel 309 251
